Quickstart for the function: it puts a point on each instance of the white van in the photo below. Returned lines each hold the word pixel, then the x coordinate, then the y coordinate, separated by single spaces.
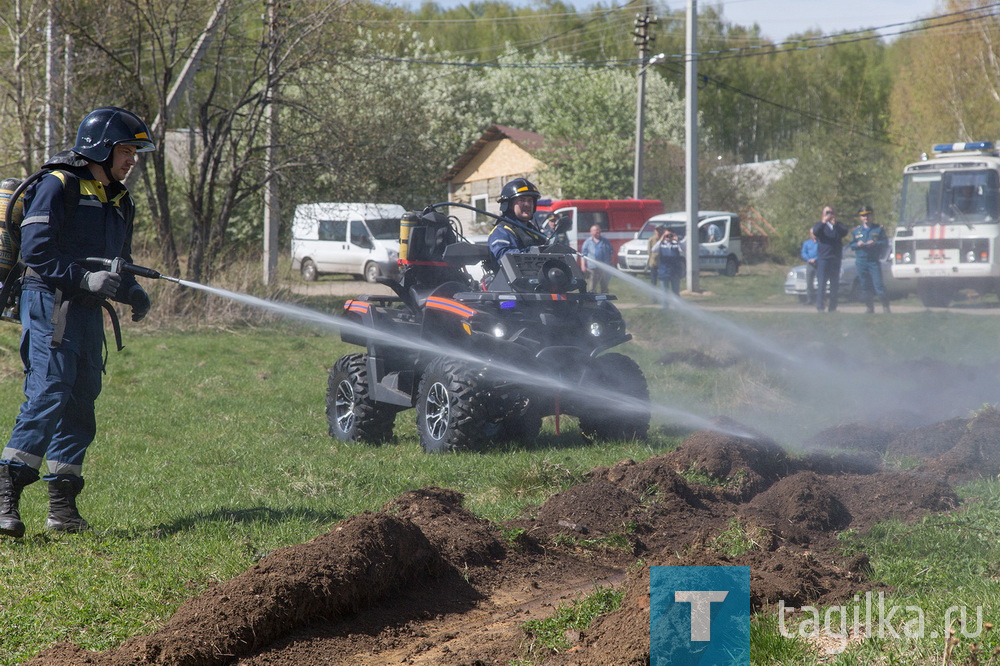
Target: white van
pixel 719 241
pixel 353 238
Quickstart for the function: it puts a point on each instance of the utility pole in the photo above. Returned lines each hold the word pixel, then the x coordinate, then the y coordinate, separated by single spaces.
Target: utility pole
pixel 691 146
pixel 641 38
pixel 271 208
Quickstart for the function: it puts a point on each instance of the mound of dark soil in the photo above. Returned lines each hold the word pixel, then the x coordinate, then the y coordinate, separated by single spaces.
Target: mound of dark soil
pixel 595 508
pixel 458 536
pixel 426 582
pixel 976 454
pixel 798 507
pixel 906 496
pixel 363 559
pixel 743 461
pixel 928 441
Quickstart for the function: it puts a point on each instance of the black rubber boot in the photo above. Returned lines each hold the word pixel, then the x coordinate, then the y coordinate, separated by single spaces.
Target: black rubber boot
pixel 885 306
pixel 11 485
pixel 63 515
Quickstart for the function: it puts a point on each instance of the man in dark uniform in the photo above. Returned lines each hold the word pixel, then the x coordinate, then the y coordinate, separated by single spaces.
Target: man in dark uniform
pixel 869 242
pixel 517 231
pixel 829 235
pixel 61 311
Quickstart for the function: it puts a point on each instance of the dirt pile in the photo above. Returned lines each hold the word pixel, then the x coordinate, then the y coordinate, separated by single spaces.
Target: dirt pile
pixel 425 582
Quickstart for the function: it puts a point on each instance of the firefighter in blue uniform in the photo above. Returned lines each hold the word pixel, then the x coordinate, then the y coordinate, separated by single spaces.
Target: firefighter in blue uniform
pixel 517 231
pixel 62 305
pixel 869 242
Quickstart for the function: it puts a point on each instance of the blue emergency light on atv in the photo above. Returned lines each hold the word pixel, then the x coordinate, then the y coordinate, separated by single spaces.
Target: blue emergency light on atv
pixel 496 355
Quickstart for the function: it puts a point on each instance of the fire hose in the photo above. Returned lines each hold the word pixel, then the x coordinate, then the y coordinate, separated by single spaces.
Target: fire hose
pixel 117 266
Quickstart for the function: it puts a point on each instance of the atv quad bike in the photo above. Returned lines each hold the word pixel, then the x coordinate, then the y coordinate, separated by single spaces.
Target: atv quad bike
pixel 482 361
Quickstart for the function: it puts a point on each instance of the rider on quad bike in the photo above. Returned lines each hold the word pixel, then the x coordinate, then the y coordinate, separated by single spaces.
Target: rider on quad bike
pixel 515 231
pixel 484 361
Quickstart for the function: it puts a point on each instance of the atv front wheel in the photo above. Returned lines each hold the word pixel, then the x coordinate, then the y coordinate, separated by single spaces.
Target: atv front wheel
pixel 619 406
pixel 350 412
pixel 450 411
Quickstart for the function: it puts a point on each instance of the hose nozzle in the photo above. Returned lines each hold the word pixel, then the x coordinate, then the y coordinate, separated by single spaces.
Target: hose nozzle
pixel 119 265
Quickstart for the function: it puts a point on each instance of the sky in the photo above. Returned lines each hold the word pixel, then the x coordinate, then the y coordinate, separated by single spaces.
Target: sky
pixel 780 18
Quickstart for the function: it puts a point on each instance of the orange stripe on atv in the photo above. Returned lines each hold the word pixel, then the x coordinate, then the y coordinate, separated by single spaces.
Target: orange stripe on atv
pixel 357 306
pixel 407 262
pixel 448 305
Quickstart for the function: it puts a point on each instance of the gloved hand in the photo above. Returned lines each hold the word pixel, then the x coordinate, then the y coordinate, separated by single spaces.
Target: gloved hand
pixel 139 300
pixel 102 283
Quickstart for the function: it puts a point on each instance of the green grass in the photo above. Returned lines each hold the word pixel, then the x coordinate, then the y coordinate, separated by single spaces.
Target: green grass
pixel 943 561
pixel 739 538
pixel 212 452
pixel 550 635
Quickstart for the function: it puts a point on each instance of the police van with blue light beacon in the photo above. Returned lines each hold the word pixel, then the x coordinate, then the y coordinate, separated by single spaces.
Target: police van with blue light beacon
pixel 948 238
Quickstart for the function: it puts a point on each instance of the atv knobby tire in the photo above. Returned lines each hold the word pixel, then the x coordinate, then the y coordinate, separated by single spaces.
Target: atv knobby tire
pixel 618 408
pixel 350 412
pixel 451 413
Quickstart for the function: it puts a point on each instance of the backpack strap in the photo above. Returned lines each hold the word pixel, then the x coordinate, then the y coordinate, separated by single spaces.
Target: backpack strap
pixel 71 192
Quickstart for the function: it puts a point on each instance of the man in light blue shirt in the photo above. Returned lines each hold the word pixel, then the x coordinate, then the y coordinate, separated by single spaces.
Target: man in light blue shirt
pixel 809 256
pixel 598 249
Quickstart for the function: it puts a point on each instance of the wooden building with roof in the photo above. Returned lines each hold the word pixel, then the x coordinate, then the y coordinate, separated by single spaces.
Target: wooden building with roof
pixel 500 154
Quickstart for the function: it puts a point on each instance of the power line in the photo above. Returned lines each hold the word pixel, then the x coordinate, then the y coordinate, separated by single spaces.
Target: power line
pixel 823 41
pixel 929 23
pixel 836 40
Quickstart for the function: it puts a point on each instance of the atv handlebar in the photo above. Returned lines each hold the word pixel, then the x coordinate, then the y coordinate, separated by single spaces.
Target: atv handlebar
pixel 499 218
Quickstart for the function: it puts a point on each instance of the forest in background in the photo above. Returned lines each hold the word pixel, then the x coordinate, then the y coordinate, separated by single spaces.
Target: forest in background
pixel 373 102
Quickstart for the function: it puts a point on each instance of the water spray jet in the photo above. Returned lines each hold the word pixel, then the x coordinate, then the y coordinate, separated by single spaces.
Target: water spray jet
pixel 340 324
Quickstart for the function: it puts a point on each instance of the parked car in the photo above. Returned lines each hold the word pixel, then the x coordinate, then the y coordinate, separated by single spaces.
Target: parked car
pixel 850 286
pixel 719 241
pixel 359 239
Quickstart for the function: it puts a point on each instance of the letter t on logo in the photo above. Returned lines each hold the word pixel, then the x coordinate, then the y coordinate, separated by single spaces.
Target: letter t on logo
pixel 701 610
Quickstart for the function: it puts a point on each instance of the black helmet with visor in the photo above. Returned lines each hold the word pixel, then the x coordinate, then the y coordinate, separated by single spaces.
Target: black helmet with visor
pixel 107 127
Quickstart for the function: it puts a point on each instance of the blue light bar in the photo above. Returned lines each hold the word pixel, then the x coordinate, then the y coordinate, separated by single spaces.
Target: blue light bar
pixel 958 147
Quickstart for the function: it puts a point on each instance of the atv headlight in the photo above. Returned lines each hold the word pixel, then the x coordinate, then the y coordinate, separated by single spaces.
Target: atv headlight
pixel 596 329
pixel 500 331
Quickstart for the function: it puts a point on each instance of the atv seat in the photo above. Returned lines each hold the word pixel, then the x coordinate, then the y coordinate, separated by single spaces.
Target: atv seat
pixel 420 294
